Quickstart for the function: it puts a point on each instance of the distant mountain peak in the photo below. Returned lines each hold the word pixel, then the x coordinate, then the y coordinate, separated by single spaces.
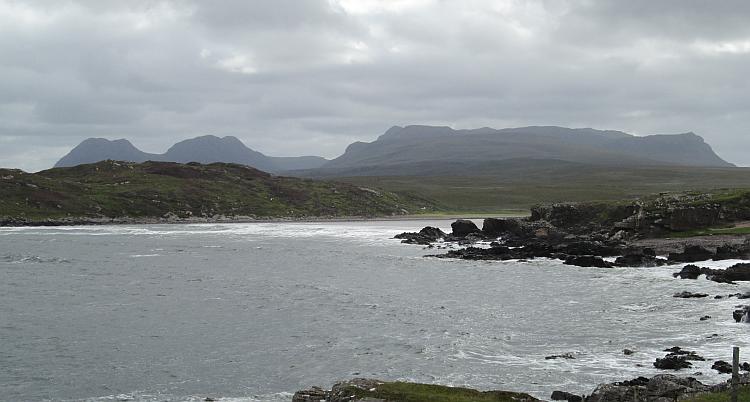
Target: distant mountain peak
pixel 204 149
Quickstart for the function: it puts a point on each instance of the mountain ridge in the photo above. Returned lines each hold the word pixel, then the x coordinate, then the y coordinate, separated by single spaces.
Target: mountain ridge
pixel 203 149
pixel 441 145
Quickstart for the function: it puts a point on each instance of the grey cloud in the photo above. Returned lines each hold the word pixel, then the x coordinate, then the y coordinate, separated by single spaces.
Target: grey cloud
pixel 301 77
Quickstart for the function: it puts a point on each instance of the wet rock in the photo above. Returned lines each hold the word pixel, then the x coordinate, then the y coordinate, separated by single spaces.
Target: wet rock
pixel 689 355
pixel 688 272
pixel 722 367
pixel 689 295
pixel 705 317
pixel 587 261
pixel 565 396
pixel 313 394
pixel 640 381
pixel 567 355
pixel 463 227
pixel 737 272
pixel 672 363
pixel 692 253
pixel 677 359
pixel 643 259
pixel 627 352
pixel 425 236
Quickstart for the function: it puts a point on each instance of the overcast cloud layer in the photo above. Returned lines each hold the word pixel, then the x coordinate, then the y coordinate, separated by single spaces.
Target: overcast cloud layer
pixel 294 77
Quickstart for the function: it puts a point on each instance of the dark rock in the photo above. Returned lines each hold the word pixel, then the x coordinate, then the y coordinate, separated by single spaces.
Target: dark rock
pixel 671 362
pixel 425 236
pixel 640 381
pixel 587 261
pixel 507 226
pixel 722 367
pixel 562 356
pixel 689 355
pixel 463 227
pixel 731 252
pixel 705 317
pixel 627 352
pixel 692 253
pixel 565 396
pixel 688 272
pixel 689 295
pixel 745 366
pixel 640 260
pixel 737 272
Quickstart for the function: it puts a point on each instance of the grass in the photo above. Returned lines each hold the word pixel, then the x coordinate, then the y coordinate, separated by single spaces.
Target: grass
pixel 154 189
pixel 742 396
pixel 410 392
pixel 515 189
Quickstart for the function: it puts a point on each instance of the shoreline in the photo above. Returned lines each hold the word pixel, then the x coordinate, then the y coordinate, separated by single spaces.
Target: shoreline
pixel 83 221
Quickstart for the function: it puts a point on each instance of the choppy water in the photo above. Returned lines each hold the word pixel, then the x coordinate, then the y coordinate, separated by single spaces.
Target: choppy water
pixel 253 312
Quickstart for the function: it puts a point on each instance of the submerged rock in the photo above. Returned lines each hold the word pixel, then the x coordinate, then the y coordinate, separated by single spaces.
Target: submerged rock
pixel 689 295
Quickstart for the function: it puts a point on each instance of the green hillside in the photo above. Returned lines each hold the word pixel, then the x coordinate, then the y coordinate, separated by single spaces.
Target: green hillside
pixel 163 189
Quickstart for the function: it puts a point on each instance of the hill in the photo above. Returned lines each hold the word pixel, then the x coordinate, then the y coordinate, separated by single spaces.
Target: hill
pixel 205 149
pixel 425 150
pixel 165 190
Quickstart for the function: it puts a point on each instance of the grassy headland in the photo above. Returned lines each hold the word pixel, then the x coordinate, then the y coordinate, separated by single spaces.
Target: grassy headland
pixel 163 189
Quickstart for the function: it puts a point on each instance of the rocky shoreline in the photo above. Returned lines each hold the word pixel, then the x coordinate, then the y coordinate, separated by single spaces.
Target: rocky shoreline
pixel 660 388
pixel 621 235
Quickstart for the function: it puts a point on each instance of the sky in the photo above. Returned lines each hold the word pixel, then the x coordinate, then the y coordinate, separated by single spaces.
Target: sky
pixel 308 77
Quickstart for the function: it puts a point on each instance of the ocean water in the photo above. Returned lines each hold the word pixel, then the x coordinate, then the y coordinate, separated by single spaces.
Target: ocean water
pixel 253 312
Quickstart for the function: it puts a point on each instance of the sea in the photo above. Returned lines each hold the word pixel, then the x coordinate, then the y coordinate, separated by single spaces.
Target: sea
pixel 256 311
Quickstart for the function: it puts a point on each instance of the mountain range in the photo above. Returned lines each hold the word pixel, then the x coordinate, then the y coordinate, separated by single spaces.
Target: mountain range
pixel 205 149
pixel 429 150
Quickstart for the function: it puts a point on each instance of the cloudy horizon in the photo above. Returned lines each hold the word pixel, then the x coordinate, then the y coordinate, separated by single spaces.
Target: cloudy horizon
pixel 309 77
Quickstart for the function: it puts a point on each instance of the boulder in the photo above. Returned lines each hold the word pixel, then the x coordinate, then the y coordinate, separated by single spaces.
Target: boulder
pixel 688 272
pixel 587 261
pixel 692 253
pixel 737 272
pixel 722 367
pixel 640 260
pixel 499 226
pixel 672 363
pixel 565 396
pixel 463 227
pixel 425 236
